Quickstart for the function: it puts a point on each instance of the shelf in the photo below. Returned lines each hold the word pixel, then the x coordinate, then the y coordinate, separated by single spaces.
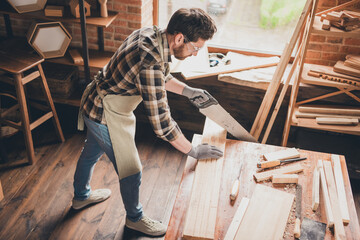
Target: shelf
pixel 311 123
pixel 97 59
pixel 94 19
pixel 305 78
pixel 333 30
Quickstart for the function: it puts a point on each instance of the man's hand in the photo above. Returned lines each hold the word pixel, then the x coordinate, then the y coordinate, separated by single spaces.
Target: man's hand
pixel 205 151
pixel 196 96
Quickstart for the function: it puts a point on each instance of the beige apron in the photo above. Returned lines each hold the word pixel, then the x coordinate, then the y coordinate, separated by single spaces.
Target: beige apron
pixel 121 122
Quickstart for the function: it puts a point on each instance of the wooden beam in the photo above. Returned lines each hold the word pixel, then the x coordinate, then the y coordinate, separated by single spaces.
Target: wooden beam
pixel 315 189
pixel 340 188
pixel 339 230
pixel 267 214
pixel 235 223
pixel 325 193
pixel 277 77
pixel 285 178
pixel 201 215
pixel 337 121
pixel 266 175
pixel 282 154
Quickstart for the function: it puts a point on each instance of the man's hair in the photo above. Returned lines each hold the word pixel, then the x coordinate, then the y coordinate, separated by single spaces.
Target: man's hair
pixel 194 23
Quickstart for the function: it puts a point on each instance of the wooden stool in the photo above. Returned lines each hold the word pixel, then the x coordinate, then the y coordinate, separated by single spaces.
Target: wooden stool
pixel 16 57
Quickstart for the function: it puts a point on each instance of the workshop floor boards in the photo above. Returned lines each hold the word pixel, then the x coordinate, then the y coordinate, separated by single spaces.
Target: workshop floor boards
pixel 37 202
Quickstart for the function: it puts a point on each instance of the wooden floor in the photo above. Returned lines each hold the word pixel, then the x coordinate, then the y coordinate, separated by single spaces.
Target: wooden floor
pixel 37 203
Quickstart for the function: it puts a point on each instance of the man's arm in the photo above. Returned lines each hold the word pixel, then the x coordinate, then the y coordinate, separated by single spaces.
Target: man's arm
pixel 175 86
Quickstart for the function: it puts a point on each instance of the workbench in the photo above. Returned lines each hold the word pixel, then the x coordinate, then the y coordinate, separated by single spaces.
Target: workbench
pixel 235 152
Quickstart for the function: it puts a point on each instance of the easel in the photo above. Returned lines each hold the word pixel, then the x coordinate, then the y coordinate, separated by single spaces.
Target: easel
pixel 301 35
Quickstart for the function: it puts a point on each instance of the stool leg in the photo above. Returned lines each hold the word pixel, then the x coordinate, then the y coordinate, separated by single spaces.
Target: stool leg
pixel 46 91
pixel 25 118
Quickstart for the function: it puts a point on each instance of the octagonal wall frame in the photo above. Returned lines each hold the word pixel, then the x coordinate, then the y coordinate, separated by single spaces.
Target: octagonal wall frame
pixel 49 39
pixel 23 6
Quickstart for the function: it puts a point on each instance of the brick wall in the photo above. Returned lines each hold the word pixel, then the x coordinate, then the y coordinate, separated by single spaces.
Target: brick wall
pixel 327 50
pixel 133 15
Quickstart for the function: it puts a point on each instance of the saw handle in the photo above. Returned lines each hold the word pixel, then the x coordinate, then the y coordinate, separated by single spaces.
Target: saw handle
pixel 235 190
pixel 269 164
pixel 297 228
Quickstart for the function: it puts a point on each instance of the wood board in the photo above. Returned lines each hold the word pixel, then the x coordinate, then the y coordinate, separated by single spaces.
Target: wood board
pixel 334 200
pixel 267 205
pixel 282 154
pixel 266 175
pixel 235 223
pixel 340 188
pixel 201 215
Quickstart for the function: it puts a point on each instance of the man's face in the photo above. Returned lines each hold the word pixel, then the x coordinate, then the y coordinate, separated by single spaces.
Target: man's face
pixel 187 49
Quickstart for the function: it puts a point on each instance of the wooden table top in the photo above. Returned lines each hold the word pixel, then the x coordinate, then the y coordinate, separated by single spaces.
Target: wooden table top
pixel 250 153
pixel 17 56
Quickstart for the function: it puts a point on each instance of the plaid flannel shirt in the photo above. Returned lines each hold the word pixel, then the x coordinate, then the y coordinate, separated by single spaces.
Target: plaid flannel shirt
pixel 135 69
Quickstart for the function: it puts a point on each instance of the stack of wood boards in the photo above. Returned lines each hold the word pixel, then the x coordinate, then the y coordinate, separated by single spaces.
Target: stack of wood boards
pixel 345 20
pixel 335 74
pixel 333 194
pixel 202 212
pixel 351 66
pixel 266 215
pixel 334 115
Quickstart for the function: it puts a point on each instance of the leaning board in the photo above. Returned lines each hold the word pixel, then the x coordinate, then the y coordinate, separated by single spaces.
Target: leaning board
pixel 202 212
pixel 267 214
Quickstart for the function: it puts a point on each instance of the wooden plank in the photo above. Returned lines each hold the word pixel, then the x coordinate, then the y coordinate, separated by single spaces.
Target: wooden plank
pixel 330 110
pixel 337 121
pixel 334 200
pixel 285 178
pixel 341 68
pixel 201 215
pixel 340 188
pixel 325 194
pixel 235 223
pixel 267 205
pixel 266 175
pixel 339 7
pixel 276 80
pixel 315 115
pixel 315 189
pixel 282 154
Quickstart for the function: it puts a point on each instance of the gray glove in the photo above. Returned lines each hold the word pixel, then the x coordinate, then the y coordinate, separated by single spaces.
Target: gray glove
pixel 196 96
pixel 205 151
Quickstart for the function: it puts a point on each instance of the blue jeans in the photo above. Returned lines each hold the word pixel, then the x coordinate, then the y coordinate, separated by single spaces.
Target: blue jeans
pixel 97 142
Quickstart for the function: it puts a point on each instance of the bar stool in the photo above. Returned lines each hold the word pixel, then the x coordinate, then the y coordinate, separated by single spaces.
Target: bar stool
pixel 16 58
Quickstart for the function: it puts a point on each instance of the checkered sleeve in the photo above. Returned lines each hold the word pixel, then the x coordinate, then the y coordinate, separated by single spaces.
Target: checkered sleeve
pixel 152 89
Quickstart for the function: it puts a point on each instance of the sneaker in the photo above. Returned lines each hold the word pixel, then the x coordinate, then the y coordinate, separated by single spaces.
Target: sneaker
pixel 147 226
pixel 96 196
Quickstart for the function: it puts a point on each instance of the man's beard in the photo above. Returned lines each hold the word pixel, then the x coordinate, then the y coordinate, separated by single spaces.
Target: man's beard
pixel 179 52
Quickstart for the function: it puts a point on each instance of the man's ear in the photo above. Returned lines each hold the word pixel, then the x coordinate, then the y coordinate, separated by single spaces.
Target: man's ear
pixel 178 39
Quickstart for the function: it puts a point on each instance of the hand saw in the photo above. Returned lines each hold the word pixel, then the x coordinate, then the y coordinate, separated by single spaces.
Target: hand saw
pixel 213 110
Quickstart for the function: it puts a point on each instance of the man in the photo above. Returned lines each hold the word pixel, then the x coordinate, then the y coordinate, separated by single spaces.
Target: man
pixel 139 71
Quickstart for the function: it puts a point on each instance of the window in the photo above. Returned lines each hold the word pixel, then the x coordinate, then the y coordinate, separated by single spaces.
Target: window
pixel 252 25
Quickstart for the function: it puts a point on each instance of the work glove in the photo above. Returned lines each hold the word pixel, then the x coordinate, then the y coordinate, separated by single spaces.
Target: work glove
pixel 205 151
pixel 196 96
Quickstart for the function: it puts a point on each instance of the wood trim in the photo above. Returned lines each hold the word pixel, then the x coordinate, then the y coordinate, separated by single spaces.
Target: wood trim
pixel 315 189
pixel 235 223
pixel 156 12
pixel 325 197
pixel 1 192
